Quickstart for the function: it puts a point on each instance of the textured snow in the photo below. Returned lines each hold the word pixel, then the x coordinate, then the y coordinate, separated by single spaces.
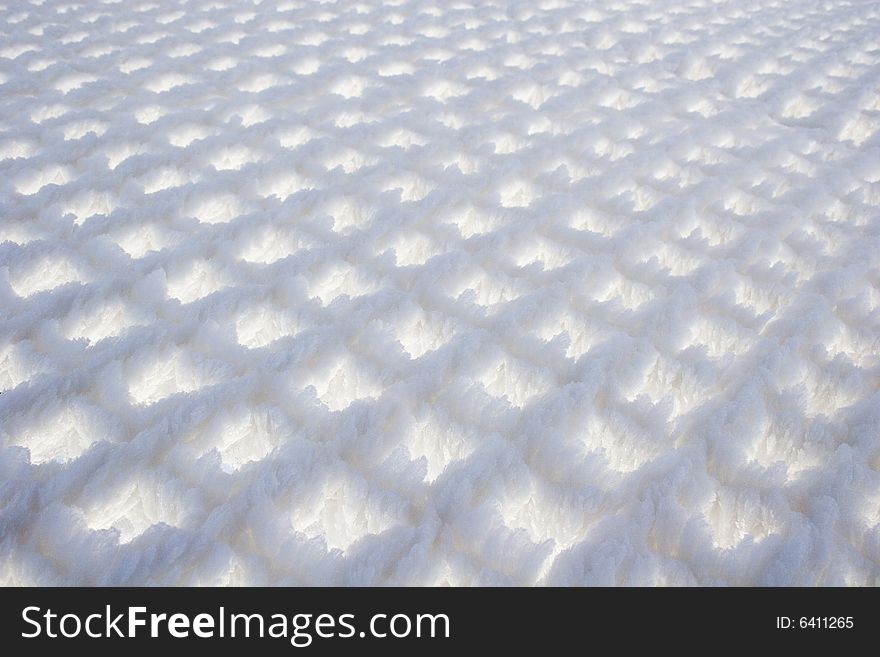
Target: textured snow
pixel 415 292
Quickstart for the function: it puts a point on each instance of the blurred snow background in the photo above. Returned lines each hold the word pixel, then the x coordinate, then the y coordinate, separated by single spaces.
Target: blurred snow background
pixel 415 292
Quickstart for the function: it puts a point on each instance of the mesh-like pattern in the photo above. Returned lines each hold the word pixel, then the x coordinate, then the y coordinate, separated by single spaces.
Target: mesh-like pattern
pixel 429 292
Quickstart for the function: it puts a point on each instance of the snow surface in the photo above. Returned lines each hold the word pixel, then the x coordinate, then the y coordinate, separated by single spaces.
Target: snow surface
pixel 416 292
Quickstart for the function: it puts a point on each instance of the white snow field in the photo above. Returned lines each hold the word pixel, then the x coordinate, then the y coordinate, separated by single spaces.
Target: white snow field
pixel 548 292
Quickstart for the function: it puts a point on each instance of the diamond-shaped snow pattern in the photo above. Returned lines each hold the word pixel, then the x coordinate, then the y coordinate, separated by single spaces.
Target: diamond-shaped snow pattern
pixel 554 292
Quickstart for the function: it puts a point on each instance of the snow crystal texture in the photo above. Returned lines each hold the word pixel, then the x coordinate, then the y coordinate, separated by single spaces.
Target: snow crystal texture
pixel 412 292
